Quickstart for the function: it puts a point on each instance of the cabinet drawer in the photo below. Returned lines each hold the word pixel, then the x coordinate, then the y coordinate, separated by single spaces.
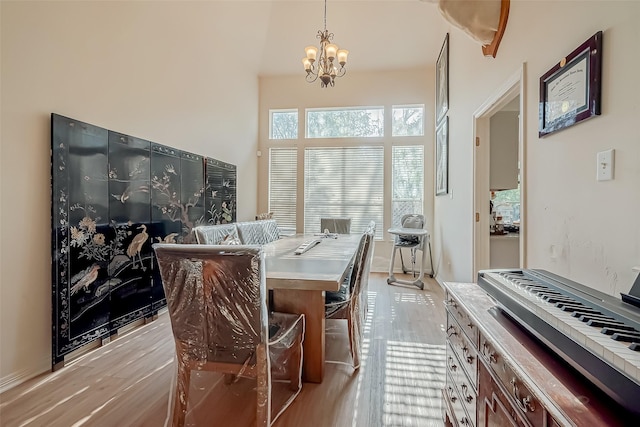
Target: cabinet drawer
pixel 452 399
pixel 494 408
pixel 463 319
pixel 465 351
pixel 524 401
pixel 466 391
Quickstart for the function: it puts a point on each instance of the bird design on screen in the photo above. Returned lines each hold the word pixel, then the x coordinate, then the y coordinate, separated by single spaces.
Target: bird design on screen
pixel 113 196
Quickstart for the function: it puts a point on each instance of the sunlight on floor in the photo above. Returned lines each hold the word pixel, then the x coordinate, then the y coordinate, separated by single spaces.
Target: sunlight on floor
pixel 414 376
pixel 366 340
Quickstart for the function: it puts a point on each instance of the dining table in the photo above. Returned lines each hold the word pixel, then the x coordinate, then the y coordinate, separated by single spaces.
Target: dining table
pixel 299 283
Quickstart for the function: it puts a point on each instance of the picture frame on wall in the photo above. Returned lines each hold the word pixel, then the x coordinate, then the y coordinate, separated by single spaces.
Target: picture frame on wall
pixel 442 157
pixel 442 81
pixel 570 92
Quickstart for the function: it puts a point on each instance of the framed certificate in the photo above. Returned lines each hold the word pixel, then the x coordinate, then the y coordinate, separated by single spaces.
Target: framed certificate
pixel 570 91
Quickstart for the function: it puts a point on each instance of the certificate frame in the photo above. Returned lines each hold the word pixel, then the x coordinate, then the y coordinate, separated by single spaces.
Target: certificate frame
pixel 570 92
pixel 442 81
pixel 442 157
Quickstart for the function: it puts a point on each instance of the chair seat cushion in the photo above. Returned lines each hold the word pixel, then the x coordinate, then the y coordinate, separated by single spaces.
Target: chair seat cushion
pixel 408 242
pixel 339 296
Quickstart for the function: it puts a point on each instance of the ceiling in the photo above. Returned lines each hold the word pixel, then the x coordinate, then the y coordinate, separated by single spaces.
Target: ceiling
pixel 380 35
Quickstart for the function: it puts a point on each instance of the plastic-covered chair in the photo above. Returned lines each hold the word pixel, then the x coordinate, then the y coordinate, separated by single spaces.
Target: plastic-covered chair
pixel 216 297
pixel 351 301
pixel 214 235
pixel 335 225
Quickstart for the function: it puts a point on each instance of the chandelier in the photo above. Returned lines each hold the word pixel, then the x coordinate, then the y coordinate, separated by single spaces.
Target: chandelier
pixel 321 64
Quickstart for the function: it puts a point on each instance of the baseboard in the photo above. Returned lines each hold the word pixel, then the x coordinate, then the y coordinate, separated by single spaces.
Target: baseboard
pixel 16 378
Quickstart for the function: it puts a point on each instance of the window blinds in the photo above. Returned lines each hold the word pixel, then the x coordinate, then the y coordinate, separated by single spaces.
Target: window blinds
pixel 283 170
pixel 345 182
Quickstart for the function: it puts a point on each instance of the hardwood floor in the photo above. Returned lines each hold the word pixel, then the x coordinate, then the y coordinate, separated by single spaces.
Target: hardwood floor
pixel 127 382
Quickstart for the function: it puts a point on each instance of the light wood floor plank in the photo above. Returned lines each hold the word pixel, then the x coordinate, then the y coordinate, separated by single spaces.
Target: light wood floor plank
pixel 127 382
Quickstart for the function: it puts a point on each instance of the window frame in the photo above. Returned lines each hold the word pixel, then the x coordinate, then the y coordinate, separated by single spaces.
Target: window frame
pixel 398 106
pixel 284 110
pixel 353 108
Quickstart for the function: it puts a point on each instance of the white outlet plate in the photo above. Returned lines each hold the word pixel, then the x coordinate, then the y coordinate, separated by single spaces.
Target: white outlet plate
pixel 604 165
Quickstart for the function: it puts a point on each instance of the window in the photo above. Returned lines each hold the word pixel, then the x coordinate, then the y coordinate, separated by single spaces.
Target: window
pixel 345 122
pixel 283 124
pixel 407 182
pixel 506 203
pixel 283 169
pixel 344 182
pixel 407 120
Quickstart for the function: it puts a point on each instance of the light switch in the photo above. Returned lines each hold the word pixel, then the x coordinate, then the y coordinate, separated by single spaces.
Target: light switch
pixel 605 165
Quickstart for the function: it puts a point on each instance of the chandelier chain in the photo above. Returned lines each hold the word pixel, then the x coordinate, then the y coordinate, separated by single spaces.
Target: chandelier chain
pixel 325 15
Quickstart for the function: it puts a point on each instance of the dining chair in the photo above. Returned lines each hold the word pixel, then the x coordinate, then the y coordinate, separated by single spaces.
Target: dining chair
pixel 335 225
pixel 214 235
pixel 216 298
pixel 350 302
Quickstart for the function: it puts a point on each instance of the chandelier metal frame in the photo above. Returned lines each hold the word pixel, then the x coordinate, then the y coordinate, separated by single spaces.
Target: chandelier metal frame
pixel 322 63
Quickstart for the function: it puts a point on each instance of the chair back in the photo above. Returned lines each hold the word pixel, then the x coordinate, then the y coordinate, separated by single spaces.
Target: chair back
pixel 362 266
pixel 216 297
pixel 258 232
pixel 359 307
pixel 411 221
pixel 335 225
pixel 214 234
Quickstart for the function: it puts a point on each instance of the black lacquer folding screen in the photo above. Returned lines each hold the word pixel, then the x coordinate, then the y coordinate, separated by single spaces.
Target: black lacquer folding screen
pixel 113 195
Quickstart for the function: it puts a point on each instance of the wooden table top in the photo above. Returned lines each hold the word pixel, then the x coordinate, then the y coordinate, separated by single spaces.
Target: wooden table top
pixel 322 268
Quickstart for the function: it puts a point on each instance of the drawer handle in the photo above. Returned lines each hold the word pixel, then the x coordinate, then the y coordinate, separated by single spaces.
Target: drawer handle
pixel 451 303
pixel 468 397
pixel 451 396
pixel 471 325
pixel 469 357
pixel 525 403
pixel 452 365
pixel 489 354
pixel 465 421
pixel 454 330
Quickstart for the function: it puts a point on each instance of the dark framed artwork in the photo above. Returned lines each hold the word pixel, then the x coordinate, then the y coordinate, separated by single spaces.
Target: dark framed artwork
pixel 442 81
pixel 570 91
pixel 442 157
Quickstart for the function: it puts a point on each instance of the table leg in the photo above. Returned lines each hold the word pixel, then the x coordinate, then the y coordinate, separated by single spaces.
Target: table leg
pixel 311 303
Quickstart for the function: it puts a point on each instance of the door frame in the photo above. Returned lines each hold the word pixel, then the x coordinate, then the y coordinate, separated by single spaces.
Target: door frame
pixel 512 87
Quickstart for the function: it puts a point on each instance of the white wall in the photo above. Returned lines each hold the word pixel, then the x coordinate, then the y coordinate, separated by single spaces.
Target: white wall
pixel 584 230
pixel 355 89
pixel 124 66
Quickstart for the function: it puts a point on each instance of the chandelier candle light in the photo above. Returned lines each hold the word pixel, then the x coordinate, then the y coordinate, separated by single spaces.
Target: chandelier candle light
pixel 322 64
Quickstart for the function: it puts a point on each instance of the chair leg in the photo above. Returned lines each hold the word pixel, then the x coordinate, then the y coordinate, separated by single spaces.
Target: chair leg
pixel 354 346
pixel 181 398
pixel 431 259
pixel 263 403
pixel 229 378
pixel 295 371
pixel 404 270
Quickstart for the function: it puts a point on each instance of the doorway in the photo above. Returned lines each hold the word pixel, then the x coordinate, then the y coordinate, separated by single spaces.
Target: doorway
pixel 501 177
